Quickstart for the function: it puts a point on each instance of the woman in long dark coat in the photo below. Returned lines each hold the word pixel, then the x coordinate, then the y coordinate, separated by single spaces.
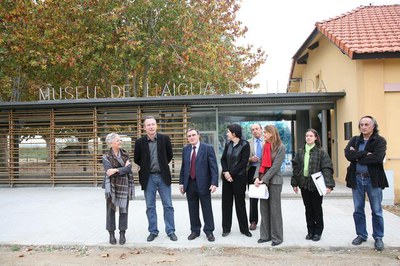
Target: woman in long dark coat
pixel 234 162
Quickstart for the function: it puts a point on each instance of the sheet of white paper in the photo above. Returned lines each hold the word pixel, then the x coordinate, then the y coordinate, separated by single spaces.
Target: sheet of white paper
pixel 319 182
pixel 260 192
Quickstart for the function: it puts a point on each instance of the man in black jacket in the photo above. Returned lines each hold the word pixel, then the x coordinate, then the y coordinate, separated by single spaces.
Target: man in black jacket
pixel 153 153
pixel 365 174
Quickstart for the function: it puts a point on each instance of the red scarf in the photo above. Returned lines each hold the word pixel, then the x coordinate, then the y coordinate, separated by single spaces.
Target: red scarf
pixel 266 162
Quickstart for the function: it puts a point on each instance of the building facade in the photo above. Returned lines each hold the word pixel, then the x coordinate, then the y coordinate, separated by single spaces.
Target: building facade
pixel 61 142
pixel 357 53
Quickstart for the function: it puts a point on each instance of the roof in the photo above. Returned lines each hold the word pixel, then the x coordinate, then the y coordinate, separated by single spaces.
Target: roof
pixel 365 30
pixel 289 101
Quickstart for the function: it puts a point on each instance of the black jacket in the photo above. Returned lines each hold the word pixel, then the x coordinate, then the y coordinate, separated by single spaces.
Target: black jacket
pixel 142 158
pixel 376 146
pixel 319 162
pixel 234 159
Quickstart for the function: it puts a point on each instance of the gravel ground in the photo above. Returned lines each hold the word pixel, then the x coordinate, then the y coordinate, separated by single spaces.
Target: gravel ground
pixel 92 255
pixel 74 255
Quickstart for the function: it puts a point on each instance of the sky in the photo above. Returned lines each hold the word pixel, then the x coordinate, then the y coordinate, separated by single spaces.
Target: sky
pixel 281 27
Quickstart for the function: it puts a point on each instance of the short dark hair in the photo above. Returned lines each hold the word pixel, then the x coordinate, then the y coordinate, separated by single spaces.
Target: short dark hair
pixel 235 129
pixel 376 130
pixel 149 117
pixel 190 129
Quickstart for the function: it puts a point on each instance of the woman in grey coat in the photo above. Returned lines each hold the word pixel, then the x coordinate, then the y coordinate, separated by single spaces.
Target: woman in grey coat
pixel 269 173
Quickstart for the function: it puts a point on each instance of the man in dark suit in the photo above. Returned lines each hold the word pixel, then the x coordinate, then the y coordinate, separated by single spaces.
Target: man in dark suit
pixel 256 143
pixel 199 178
pixel 152 153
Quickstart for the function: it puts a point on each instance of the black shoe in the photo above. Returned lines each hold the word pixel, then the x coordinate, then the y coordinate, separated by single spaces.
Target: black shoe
pixel 309 236
pixel 122 239
pixel 173 237
pixel 276 243
pixel 262 240
pixel 210 237
pixel 316 237
pixel 192 236
pixel 224 234
pixel 379 244
pixel 358 240
pixel 113 240
pixel 248 234
pixel 151 237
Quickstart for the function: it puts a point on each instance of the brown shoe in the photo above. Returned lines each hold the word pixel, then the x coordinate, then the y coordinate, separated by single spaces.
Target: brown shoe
pixel 253 226
pixel 113 240
pixel 122 239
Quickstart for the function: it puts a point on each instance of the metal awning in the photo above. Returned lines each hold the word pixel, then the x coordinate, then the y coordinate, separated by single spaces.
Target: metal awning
pixel 288 101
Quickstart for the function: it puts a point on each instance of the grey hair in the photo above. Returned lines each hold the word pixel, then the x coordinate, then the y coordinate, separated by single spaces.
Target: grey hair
pixel 259 124
pixel 375 124
pixel 110 138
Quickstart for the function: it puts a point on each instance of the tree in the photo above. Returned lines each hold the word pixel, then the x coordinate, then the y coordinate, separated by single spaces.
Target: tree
pixel 194 41
pixel 143 43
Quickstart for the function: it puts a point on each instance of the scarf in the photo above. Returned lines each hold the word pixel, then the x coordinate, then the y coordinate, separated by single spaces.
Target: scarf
pixel 266 161
pixel 120 187
pixel 307 158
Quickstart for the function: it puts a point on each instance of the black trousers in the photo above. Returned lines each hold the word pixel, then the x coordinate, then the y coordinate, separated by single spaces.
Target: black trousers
pixel 234 190
pixel 253 209
pixel 193 198
pixel 110 217
pixel 314 215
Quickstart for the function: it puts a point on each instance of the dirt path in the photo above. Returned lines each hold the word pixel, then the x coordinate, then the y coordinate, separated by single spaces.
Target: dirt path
pixel 50 255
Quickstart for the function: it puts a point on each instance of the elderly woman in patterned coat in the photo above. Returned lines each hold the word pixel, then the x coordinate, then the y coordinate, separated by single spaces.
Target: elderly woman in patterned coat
pixel 118 185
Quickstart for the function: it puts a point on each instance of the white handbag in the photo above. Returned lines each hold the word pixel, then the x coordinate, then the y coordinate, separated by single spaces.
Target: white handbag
pixel 260 192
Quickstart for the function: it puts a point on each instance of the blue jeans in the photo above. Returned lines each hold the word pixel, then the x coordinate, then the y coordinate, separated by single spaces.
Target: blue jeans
pixel 156 183
pixel 375 200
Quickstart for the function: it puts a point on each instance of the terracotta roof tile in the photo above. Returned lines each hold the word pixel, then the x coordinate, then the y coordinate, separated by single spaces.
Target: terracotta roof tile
pixel 366 29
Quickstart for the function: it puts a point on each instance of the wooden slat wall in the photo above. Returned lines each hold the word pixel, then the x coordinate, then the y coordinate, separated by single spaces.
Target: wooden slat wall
pixel 123 121
pixel 4 148
pixel 73 140
pixel 24 168
pixel 73 156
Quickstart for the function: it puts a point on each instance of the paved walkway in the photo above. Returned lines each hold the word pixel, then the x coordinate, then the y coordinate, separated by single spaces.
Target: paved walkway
pixel 76 216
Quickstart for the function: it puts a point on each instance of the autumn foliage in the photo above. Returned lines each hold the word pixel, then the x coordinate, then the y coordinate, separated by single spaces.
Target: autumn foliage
pixel 102 42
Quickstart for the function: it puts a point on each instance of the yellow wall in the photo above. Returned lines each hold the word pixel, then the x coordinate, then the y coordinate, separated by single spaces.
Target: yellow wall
pixel 338 73
pixel 363 81
pixel 392 125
